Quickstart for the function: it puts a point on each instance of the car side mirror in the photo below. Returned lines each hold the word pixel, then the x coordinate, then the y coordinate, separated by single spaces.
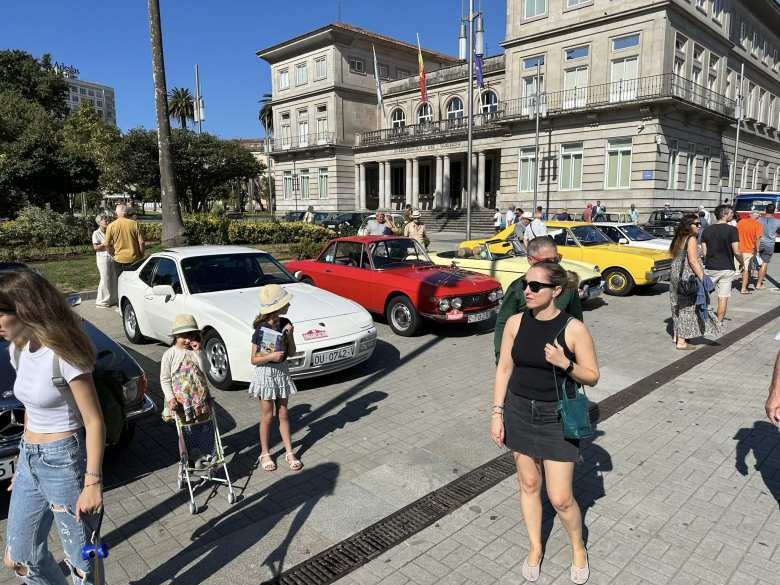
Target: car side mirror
pixel 74 300
pixel 163 290
pixel 623 241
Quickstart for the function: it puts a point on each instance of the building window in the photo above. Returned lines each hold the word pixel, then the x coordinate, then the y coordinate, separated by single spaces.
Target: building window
pixel 626 42
pixel 304 179
pixel 398 118
pixel 762 111
pixel 575 87
pixel 401 73
pixel 624 79
pixel 526 169
pixel 488 102
pixel 455 108
pixel 765 52
pixel 301 74
pixel 674 161
pixel 706 170
pixel 534 8
pixel 322 125
pixel 321 68
pixel 701 5
pixel 384 72
pixel 284 79
pixel 91 92
pixel 530 91
pixel 618 163
pixel 771 112
pixel 681 43
pixel 303 127
pixel 698 53
pixel 577 3
pixel 679 66
pixel 571 167
pixel 717 10
pixel 323 183
pixel 82 91
pixel 577 53
pixel 690 167
pixel 425 114
pixel 533 62
pixel 743 178
pixel 743 34
pixel 287 185
pixel 357 65
pixel 754 45
pixel 756 171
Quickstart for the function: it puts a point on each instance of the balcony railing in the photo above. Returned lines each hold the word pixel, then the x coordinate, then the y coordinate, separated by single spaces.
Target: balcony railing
pixel 428 130
pixel 642 89
pixel 303 141
pixel 443 75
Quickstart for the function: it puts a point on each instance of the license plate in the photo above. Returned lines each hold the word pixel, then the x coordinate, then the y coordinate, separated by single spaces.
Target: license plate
pixel 332 355
pixel 7 469
pixel 477 317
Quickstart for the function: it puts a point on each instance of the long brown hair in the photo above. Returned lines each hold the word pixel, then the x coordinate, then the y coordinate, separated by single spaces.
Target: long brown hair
pixel 682 233
pixel 46 315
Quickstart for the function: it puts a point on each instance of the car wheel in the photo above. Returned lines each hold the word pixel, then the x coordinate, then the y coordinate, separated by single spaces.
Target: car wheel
pixel 217 357
pixel 307 280
pixel 130 323
pixel 618 282
pixel 403 317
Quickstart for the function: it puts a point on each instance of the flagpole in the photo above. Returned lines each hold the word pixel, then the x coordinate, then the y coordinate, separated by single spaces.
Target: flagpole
pixel 470 113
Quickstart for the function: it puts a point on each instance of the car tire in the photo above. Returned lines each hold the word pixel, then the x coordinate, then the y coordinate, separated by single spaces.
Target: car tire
pixel 618 282
pixel 402 316
pixel 130 324
pixel 218 371
pixel 307 280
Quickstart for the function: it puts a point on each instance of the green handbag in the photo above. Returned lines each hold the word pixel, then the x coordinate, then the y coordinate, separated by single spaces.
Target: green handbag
pixel 573 411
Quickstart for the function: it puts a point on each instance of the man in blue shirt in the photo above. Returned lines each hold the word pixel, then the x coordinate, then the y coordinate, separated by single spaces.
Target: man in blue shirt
pixel 766 246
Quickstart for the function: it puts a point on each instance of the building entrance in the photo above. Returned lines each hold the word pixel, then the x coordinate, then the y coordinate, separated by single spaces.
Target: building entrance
pixel 456 184
pixel 372 187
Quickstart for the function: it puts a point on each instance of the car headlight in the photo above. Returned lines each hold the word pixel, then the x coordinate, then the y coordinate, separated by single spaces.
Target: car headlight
pixel 456 303
pixel 496 295
pixel 444 305
pixel 134 389
pixel 296 360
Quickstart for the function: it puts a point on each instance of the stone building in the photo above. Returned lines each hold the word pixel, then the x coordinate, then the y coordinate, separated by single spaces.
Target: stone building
pixel 637 104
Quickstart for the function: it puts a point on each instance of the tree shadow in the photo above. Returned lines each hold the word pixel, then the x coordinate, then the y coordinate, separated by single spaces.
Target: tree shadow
pixel 764 441
pixel 211 550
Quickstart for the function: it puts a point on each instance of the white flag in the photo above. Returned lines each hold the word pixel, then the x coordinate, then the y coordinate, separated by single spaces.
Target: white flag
pixel 379 99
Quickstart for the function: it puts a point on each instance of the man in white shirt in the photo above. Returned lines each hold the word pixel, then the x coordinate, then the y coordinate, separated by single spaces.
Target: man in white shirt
pixel 534 227
pixel 510 215
pixel 497 219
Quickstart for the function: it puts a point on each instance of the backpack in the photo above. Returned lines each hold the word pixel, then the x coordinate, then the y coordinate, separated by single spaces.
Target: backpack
pixel 109 393
pixel 191 392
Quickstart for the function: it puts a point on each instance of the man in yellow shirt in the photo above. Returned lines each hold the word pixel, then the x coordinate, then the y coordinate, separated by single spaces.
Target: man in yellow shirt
pixel 124 240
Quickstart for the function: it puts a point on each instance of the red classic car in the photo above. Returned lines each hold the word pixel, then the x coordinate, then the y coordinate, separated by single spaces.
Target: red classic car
pixel 394 276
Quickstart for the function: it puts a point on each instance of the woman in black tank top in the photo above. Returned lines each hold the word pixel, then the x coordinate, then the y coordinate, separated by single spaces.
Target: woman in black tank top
pixel 525 408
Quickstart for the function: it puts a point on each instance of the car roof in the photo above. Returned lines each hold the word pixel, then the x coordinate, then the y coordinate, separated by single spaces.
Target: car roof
pixel 614 223
pixel 556 223
pixel 192 251
pixel 368 239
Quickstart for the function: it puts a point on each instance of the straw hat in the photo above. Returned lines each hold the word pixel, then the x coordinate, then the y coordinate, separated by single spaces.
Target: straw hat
pixel 416 214
pixel 184 324
pixel 272 298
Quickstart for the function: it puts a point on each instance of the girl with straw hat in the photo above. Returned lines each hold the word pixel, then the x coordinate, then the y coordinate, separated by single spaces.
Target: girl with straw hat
pixel 272 343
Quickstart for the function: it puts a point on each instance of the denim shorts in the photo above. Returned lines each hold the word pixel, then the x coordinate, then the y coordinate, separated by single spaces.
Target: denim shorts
pixel 47 484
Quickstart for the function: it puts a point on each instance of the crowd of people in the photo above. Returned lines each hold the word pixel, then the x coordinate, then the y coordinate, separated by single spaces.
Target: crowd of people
pixel 592 212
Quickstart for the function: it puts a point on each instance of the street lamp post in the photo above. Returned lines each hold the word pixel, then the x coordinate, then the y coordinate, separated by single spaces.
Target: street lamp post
pixel 474 45
pixel 740 114
pixel 199 108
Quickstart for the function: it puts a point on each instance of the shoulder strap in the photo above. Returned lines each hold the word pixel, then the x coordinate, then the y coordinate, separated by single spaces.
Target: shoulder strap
pixel 56 374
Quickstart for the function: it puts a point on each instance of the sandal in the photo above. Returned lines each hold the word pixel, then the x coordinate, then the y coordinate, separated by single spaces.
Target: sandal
pixel 294 464
pixel 268 464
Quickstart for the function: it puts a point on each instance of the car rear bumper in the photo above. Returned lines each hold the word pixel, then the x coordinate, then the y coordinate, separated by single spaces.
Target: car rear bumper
pixel 658 275
pixel 146 408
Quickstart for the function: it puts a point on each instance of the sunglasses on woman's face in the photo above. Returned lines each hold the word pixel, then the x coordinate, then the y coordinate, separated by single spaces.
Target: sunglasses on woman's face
pixel 534 285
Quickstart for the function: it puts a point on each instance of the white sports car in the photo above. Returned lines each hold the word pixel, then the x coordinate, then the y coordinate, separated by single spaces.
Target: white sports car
pixel 631 234
pixel 219 286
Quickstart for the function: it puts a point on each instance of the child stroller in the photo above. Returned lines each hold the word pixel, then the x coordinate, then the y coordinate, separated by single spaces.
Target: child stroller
pixel 200 455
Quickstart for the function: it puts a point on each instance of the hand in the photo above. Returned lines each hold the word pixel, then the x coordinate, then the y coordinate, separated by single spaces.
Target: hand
pixel 497 430
pixel 772 408
pixel 90 500
pixel 553 353
pixel 288 328
pixel 194 345
pixel 276 356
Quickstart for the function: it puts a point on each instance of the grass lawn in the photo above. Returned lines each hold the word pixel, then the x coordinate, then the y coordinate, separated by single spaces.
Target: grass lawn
pixel 80 273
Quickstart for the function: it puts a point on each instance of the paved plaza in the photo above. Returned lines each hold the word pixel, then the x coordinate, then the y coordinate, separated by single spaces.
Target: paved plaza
pixel 671 489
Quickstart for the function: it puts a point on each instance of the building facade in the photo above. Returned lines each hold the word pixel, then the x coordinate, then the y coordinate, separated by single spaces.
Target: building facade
pixel 100 97
pixel 637 103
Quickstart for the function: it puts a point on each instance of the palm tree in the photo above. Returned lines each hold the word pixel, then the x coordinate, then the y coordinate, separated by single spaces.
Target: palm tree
pixel 172 225
pixel 181 105
pixel 266 115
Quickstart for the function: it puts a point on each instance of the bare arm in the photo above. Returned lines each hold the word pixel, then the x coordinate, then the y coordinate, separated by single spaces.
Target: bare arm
pixel 693 258
pixel 738 255
pixel 85 395
pixel 141 243
pixel 578 338
pixel 258 359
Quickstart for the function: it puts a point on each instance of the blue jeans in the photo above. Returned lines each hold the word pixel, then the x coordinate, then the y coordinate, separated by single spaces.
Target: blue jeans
pixel 49 478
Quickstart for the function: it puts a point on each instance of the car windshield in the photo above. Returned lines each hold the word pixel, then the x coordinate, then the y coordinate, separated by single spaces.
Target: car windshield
pixel 397 253
pixel 206 274
pixel 636 233
pixel 751 203
pixel 668 215
pixel 516 251
pixel 589 235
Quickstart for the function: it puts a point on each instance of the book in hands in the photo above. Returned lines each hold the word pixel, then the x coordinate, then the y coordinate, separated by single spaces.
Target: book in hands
pixel 272 341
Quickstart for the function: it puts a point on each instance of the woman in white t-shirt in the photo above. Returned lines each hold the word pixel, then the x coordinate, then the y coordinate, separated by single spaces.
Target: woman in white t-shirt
pixel 106 295
pixel 58 474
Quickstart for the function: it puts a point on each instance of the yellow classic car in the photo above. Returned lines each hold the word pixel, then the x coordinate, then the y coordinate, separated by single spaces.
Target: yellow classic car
pixel 622 267
pixel 511 264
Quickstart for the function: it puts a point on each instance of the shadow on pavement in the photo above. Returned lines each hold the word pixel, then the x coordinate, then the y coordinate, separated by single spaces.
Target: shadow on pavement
pixel 764 441
pixel 210 551
pixel 652 290
pixel 385 356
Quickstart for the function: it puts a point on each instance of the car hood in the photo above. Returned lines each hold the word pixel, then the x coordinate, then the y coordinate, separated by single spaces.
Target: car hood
pixel 517 265
pixel 447 280
pixel 633 250
pixel 654 244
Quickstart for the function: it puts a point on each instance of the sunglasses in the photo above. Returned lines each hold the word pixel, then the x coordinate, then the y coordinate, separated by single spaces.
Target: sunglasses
pixel 554 259
pixel 190 336
pixel 534 285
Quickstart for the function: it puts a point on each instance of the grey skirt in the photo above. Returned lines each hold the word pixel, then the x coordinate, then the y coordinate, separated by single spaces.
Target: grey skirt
pixel 272 381
pixel 534 428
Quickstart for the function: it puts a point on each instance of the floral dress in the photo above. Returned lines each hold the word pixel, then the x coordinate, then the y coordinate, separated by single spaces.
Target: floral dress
pixel 686 320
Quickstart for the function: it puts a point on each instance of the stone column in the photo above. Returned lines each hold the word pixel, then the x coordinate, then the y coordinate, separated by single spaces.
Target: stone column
pixel 388 185
pixel 481 179
pixel 415 183
pixel 445 182
pixel 381 193
pixel 357 188
pixel 363 204
pixel 408 195
pixel 437 193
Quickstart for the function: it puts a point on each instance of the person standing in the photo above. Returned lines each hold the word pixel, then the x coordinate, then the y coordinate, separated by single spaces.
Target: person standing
pixel 510 215
pixel 540 213
pixel 534 227
pixel 415 229
pixel 599 212
pixel 587 215
pixel 633 214
pixel 720 246
pixel 750 231
pixel 497 220
pixel 59 473
pixel 563 215
pixel 686 322
pixel 541 249
pixel 124 240
pixel 106 292
pixel 770 227
pixel 539 346
pixel 379 226
pixel 408 214
pixel 308 217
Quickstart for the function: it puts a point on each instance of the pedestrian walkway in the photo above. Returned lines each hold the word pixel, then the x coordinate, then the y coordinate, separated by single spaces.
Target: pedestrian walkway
pixel 680 488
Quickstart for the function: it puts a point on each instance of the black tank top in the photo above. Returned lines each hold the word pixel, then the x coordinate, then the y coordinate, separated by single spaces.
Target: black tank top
pixel 532 375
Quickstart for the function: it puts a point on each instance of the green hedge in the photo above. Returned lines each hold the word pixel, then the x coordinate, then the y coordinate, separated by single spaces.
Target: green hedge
pixel 206 229
pixel 45 228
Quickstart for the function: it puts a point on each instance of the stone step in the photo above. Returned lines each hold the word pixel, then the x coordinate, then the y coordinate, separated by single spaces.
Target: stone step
pixel 442 221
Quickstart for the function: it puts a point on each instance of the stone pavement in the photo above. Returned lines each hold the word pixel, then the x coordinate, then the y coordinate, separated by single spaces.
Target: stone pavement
pixel 373 439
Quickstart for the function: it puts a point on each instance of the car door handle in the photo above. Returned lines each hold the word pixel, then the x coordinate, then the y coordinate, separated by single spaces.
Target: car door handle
pixel 328 270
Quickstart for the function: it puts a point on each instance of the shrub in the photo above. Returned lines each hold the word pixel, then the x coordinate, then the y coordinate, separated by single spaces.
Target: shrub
pixel 305 249
pixel 43 227
pixel 206 229
pixel 273 232
pixel 151 231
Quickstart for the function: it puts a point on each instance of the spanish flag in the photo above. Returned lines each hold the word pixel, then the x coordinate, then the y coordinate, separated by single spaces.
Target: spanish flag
pixel 423 92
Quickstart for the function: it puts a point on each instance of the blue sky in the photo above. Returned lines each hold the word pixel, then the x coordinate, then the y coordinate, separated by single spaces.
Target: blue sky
pixel 108 41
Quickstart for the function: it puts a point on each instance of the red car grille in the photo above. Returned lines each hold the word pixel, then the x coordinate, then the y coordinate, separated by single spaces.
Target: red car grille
pixel 476 301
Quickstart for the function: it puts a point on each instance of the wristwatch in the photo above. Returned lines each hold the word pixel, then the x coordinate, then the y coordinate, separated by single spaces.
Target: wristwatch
pixel 570 368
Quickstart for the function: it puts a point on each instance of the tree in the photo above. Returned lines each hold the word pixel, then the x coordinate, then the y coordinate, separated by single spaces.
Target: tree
pixel 87 136
pixel 181 105
pixel 266 115
pixel 172 225
pixel 34 80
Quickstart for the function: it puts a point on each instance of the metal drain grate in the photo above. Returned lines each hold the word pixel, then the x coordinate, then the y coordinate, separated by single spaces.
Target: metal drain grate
pixel 357 550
